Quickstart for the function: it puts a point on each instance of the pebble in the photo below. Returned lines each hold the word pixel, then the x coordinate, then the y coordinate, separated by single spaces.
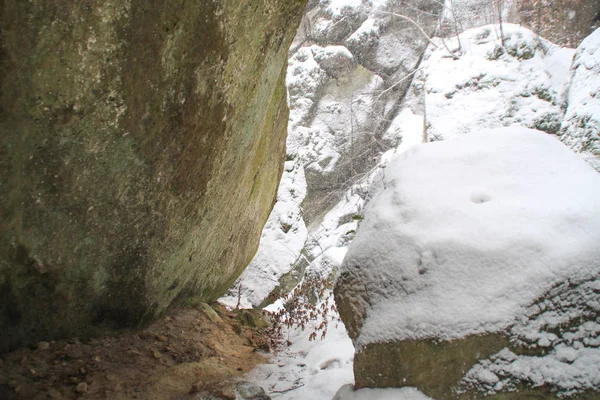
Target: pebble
pixel 161 338
pixel 210 312
pixel 251 392
pixel 43 346
pixel 82 387
pixel 197 387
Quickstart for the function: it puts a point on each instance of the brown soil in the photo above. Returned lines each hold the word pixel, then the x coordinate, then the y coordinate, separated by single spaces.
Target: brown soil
pixel 177 358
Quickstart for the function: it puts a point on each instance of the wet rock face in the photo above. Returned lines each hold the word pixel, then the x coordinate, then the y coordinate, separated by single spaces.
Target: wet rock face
pixel 141 147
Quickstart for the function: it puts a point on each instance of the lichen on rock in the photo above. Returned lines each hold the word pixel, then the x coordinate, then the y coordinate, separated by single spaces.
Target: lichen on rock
pixel 141 148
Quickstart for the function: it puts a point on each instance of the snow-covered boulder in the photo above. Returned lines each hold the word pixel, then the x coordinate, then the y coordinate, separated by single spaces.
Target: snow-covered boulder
pixel 333 59
pixel 581 126
pixel 332 21
pixel 477 270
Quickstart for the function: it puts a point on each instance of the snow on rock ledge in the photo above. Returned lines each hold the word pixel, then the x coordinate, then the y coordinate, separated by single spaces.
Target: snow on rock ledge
pixel 478 246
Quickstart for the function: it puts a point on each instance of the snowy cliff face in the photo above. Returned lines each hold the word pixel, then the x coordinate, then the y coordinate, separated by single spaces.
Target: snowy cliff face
pixel 580 128
pixel 529 82
pixel 355 57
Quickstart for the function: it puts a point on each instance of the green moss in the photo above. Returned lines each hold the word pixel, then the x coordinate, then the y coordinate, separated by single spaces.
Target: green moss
pixel 433 367
pixel 141 148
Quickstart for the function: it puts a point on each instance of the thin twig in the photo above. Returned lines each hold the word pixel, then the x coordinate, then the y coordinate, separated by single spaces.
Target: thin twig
pixel 288 390
pixel 397 83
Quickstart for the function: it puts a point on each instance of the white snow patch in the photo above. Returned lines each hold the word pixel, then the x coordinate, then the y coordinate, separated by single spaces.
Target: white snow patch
pixel 330 51
pixel 315 368
pixel 304 77
pixel 369 28
pixel 407 126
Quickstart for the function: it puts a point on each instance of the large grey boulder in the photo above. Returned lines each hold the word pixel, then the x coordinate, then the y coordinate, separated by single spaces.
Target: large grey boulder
pixel 141 148
pixel 476 271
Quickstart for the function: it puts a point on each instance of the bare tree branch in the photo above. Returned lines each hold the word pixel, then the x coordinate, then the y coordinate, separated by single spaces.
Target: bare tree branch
pixel 413 22
pixel 397 83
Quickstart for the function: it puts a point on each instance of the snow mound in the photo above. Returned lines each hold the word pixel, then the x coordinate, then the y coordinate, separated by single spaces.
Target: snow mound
pixel 487 85
pixel 469 233
pixel 581 125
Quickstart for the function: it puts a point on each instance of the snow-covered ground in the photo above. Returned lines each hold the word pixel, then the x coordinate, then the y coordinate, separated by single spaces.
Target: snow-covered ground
pixel 309 369
pixel 490 86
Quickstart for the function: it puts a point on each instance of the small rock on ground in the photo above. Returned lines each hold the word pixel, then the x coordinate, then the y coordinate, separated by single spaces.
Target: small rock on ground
pixel 82 387
pixel 249 391
pixel 43 346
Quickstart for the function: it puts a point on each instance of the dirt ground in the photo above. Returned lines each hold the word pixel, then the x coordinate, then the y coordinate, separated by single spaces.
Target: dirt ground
pixel 189 354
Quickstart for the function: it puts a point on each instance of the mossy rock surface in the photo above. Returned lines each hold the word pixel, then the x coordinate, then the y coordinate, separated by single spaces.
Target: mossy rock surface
pixel 432 367
pixel 437 367
pixel 141 145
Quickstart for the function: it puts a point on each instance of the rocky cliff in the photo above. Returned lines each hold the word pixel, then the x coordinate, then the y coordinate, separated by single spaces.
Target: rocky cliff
pixel 141 144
